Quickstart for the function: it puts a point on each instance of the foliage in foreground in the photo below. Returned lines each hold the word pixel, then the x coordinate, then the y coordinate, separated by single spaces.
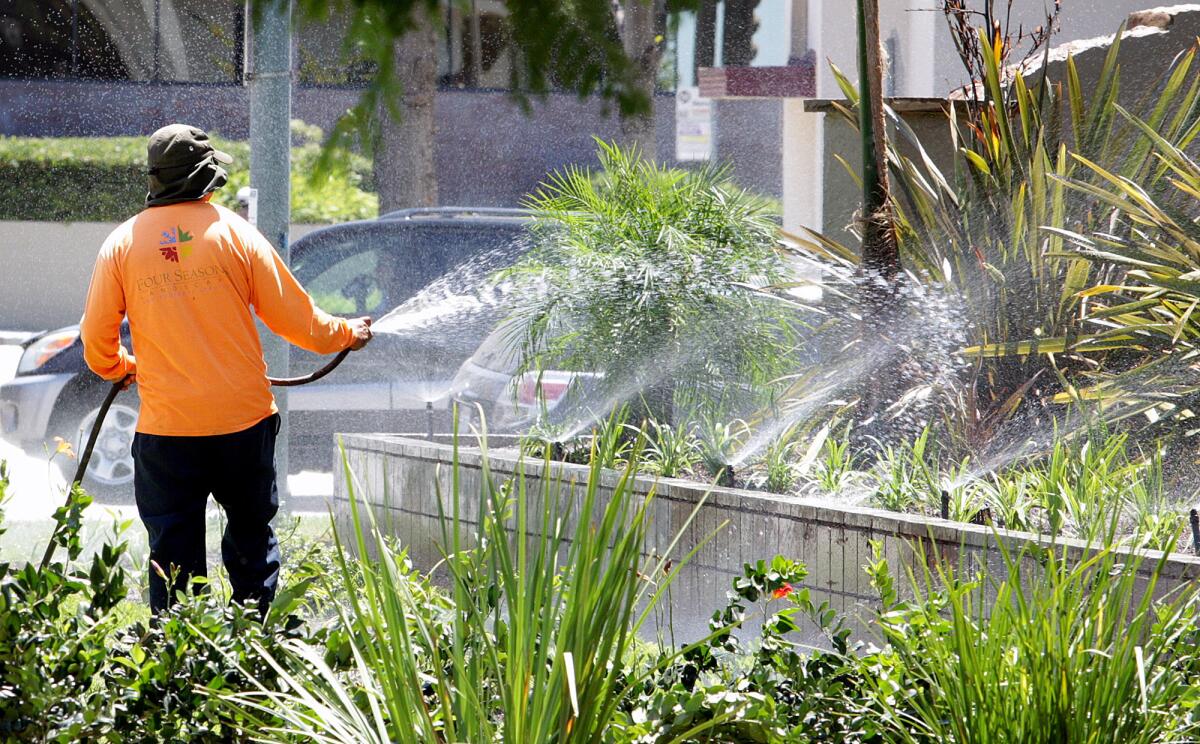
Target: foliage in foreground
pixel 536 639
pixel 545 602
pixel 77 663
pixel 1057 649
pixel 54 624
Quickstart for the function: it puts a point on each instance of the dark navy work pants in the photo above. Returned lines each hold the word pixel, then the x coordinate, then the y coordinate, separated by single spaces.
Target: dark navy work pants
pixel 173 477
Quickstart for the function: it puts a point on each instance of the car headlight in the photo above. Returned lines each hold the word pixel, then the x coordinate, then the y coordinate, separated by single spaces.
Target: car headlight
pixel 44 349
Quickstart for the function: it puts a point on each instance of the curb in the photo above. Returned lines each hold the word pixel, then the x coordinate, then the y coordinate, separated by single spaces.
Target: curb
pixel 14 338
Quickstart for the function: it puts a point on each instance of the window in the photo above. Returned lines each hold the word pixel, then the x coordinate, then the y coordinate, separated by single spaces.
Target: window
pixel 476 51
pixel 149 40
pixel 56 39
pixel 350 286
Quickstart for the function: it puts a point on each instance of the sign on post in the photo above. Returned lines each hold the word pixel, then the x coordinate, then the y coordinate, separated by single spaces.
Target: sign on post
pixel 693 125
pixel 248 201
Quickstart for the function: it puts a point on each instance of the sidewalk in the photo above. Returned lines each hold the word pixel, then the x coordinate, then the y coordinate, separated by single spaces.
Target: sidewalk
pixel 14 338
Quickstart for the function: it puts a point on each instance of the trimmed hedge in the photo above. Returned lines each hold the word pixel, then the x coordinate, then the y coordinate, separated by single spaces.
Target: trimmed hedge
pixel 100 179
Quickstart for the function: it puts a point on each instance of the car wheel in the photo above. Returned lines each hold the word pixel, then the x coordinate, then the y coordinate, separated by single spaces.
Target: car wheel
pixel 110 470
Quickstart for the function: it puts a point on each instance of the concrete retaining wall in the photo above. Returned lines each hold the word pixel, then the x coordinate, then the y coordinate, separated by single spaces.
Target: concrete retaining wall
pixel 402 477
pixel 45 268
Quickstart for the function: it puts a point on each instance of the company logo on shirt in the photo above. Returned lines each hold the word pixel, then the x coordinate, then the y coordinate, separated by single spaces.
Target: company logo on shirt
pixel 172 244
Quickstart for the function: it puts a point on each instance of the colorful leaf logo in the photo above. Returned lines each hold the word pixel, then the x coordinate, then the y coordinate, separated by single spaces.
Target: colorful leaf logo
pixel 169 245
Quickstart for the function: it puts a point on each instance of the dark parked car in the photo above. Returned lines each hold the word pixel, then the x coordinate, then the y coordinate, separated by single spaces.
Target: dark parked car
pixel 352 269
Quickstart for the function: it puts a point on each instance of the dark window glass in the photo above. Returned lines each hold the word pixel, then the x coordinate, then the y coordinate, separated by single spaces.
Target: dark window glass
pixel 201 41
pixel 150 40
pixel 56 39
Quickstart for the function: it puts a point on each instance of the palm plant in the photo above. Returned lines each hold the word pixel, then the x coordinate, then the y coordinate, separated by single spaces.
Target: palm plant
pixel 647 274
pixel 1152 233
pixel 995 231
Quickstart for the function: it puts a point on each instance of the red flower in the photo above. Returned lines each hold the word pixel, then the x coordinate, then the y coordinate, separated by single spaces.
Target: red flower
pixel 782 591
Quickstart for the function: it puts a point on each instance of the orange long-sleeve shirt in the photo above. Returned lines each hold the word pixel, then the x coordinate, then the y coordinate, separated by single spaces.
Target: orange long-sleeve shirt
pixel 187 275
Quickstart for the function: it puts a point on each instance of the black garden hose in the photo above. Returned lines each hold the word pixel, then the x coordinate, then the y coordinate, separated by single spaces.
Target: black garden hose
pixel 118 386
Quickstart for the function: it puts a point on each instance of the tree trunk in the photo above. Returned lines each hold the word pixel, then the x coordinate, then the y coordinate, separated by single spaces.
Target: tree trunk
pixel 640 30
pixel 404 165
pixel 738 33
pixel 706 36
pixel 880 256
pixel 880 265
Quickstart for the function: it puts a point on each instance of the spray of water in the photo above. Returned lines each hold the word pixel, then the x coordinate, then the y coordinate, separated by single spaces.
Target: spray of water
pixel 467 297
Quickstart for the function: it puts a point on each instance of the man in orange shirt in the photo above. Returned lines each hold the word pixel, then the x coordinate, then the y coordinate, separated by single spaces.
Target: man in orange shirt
pixel 186 274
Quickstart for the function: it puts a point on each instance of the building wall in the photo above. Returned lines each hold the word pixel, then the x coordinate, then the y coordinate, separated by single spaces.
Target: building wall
pixel 925 62
pixel 488 152
pixel 842 195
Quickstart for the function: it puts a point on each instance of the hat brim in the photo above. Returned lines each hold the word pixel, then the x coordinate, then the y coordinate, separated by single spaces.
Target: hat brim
pixel 222 157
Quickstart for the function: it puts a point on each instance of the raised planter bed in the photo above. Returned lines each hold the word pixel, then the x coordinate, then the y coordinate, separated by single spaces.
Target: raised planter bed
pixel 401 478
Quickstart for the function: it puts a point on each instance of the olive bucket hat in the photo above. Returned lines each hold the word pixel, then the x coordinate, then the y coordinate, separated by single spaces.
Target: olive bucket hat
pixel 182 165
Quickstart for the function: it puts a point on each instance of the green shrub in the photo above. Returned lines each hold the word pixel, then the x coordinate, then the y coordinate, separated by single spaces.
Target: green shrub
pixel 773 689
pixel 75 666
pixel 1047 649
pixel 54 624
pixel 532 642
pixel 163 679
pixel 650 275
pixel 100 179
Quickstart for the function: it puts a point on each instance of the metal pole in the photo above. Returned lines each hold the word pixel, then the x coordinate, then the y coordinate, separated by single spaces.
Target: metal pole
pixel 157 40
pixel 74 38
pixel 945 504
pixel 1194 519
pixel 476 47
pixel 270 170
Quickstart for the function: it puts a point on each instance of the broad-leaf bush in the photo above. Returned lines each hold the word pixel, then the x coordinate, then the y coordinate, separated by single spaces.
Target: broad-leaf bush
pixel 54 627
pixel 73 667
